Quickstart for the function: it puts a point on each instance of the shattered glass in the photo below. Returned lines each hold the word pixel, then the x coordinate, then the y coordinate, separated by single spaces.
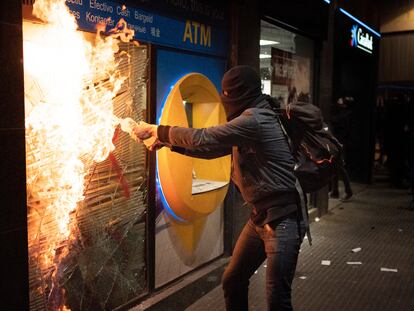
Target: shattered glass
pixel 104 265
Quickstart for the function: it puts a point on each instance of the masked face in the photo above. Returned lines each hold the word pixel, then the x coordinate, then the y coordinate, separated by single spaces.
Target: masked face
pixel 241 86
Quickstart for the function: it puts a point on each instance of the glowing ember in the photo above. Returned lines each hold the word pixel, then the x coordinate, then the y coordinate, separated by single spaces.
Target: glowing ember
pixel 69 87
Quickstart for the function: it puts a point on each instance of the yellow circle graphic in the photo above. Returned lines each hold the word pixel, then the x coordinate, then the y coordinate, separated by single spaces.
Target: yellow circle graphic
pixel 193 187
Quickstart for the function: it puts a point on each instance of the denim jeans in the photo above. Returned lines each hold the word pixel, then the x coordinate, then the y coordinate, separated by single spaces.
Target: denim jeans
pixel 341 172
pixel 279 244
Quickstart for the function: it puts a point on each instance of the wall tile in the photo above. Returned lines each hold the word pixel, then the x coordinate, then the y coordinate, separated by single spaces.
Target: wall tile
pixel 13 181
pixel 11 12
pixel 14 282
pixel 11 77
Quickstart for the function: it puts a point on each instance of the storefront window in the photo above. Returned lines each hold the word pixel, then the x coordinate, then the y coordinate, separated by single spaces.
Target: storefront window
pixel 286 64
pixel 86 208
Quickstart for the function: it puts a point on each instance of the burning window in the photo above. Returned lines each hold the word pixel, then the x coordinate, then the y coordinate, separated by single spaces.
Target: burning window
pixel 86 179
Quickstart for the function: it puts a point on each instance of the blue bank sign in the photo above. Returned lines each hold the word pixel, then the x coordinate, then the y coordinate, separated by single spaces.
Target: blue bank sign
pixel 361 39
pixel 179 33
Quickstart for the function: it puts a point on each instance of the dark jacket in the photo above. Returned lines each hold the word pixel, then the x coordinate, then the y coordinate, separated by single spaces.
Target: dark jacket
pixel 262 162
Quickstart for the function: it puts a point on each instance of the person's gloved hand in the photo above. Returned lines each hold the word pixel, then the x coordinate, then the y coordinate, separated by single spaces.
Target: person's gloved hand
pixel 127 126
pixel 156 145
pixel 144 131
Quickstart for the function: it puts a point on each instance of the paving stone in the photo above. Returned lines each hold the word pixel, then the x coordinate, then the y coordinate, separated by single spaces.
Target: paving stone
pixel 378 221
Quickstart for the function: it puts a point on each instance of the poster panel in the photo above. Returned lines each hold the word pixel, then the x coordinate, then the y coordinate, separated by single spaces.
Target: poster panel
pixel 291 76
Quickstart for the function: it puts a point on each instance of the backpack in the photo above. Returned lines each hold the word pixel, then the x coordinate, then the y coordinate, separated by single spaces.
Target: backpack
pixel 316 151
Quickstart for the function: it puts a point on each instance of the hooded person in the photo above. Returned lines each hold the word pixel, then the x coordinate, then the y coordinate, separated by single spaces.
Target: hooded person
pixel 241 89
pixel 262 170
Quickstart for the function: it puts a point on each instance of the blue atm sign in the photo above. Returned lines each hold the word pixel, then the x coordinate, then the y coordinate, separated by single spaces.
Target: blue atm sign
pixel 183 34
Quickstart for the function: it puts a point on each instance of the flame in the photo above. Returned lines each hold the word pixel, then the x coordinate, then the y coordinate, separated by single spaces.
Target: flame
pixel 69 87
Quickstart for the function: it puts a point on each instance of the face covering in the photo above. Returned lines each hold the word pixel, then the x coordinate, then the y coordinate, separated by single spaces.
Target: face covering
pixel 241 87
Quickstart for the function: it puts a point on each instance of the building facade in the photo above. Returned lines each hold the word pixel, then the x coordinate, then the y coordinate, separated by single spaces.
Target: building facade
pixel 147 222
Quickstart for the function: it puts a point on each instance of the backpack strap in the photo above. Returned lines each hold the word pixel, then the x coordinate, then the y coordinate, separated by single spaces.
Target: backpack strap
pixel 303 205
pixel 304 210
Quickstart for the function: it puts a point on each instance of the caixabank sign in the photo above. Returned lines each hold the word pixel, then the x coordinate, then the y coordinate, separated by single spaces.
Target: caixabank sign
pixel 356 34
pixel 361 39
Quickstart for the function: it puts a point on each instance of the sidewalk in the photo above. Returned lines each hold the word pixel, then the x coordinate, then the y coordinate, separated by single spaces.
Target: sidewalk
pixel 377 221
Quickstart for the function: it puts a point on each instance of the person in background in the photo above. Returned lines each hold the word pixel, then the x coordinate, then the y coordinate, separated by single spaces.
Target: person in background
pixel 341 123
pixel 380 114
pixel 396 135
pixel 262 169
pixel 293 95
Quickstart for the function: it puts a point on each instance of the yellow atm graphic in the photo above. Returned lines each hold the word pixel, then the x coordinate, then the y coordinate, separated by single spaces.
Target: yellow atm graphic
pixel 193 187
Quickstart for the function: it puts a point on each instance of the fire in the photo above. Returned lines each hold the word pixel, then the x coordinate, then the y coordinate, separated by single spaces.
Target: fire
pixel 69 87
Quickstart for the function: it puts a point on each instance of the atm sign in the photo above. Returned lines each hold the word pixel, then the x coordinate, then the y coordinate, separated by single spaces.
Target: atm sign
pixel 197 33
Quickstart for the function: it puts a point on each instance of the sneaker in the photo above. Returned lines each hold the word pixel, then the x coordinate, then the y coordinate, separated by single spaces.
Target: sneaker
pixel 346 197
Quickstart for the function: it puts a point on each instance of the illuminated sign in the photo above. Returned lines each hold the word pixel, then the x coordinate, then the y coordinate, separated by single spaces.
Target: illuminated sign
pixel 199 30
pixel 149 27
pixel 361 39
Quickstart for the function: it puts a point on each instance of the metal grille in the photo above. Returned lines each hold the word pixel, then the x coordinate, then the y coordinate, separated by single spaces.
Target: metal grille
pixel 105 263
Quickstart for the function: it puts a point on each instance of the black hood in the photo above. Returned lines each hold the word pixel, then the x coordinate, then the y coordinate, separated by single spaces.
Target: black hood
pixel 242 88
